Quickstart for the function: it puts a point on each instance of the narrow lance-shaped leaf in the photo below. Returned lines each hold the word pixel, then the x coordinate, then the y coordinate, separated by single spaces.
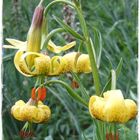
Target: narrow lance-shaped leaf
pixel 71 92
pixel 82 89
pixel 68 28
pixel 93 49
pixel 80 46
pixel 119 67
pixel 98 44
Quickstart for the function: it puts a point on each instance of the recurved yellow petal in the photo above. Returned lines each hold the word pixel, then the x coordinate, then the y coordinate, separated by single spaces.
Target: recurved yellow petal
pixel 10 47
pixel 131 107
pixel 17 62
pixel 15 110
pixel 96 106
pixel 115 109
pixel 57 49
pixel 20 103
pixel 68 46
pixel 17 43
pixel 83 64
pixel 58 64
pixel 71 59
pixel 41 63
pixel 47 112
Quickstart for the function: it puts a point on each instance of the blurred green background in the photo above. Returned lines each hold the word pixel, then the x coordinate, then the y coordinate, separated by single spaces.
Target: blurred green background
pixel 117 22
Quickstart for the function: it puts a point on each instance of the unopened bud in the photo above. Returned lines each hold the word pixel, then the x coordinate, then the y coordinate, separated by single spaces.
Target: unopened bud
pixel 38 16
pixel 34 34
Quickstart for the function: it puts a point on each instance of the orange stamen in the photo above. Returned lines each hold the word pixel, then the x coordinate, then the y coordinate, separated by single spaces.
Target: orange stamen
pixel 42 93
pixel 33 95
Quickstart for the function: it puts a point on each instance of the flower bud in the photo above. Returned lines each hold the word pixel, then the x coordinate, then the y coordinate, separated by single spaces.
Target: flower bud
pixel 38 17
pixel 35 33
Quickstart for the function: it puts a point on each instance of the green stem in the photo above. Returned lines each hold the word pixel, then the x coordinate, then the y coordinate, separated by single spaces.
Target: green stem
pixel 55 2
pixel 53 32
pixel 90 50
pixel 37 82
pixel 115 131
pixel 41 2
pixel 95 73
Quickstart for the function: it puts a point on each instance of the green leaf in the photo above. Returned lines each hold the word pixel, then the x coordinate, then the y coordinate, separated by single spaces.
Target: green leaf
pixel 82 88
pixel 68 28
pixel 80 46
pixel 49 36
pixel 71 92
pixel 98 45
pixel 93 49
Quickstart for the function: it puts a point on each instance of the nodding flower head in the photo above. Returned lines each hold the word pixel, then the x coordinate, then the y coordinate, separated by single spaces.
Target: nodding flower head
pixel 31 111
pixel 112 107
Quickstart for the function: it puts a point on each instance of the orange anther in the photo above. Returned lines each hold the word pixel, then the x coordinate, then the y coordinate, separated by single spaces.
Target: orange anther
pixel 42 93
pixel 33 95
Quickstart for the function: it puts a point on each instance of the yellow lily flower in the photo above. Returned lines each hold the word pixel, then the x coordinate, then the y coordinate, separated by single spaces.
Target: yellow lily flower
pixel 113 107
pixel 43 64
pixel 22 45
pixel 40 62
pixel 77 62
pixel 28 60
pixel 27 112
